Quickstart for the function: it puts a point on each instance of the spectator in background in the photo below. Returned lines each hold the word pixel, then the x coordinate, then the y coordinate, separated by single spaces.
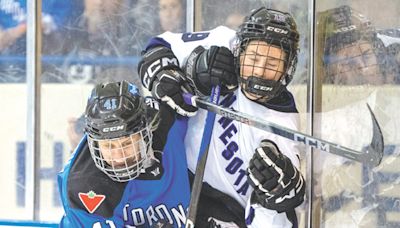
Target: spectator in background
pixel 353 53
pixel 13 14
pixel 172 15
pixel 146 23
pixel 9 36
pixel 105 30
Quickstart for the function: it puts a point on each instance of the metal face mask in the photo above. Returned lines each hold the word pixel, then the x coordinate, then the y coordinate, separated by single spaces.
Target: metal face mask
pixel 122 158
pixel 262 67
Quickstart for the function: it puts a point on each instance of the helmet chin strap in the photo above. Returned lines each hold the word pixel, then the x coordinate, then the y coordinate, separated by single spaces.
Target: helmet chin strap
pixel 254 98
pixel 152 158
pixel 266 89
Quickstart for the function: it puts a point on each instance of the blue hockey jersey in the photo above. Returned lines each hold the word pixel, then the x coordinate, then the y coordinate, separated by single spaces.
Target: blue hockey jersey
pixel 13 12
pixel 92 199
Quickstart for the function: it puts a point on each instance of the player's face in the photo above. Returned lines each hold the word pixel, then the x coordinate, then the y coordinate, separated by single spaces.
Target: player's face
pixel 262 60
pixel 121 152
pixel 170 13
pixel 355 64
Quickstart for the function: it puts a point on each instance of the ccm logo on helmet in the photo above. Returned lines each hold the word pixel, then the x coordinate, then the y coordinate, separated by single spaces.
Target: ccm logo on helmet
pixel 277 30
pixel 115 128
pixel 264 88
pixel 345 29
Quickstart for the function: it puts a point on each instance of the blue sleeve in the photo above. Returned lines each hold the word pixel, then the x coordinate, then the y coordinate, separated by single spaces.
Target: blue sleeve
pixel 157 41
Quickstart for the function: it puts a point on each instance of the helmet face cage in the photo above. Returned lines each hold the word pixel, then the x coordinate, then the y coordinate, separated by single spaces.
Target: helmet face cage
pixel 344 26
pixel 270 38
pixel 119 130
pixel 350 48
pixel 354 64
pixel 124 157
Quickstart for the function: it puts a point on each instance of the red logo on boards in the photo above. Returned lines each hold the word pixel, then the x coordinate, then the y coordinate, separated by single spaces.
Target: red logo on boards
pixel 91 200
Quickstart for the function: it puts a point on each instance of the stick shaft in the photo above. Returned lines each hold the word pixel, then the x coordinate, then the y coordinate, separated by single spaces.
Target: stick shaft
pixel 202 160
pixel 372 156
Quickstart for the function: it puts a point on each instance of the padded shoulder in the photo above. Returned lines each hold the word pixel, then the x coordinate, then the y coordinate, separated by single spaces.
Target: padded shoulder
pixel 84 178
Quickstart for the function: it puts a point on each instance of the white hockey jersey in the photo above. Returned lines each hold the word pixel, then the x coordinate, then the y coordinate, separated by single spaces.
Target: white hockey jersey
pixel 233 143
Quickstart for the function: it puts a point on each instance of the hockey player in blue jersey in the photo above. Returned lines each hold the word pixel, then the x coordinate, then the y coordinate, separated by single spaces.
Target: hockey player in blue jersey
pixel 246 167
pixel 124 172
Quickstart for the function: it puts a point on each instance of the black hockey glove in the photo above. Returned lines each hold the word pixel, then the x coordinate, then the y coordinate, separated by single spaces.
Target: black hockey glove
pixel 160 73
pixel 277 183
pixel 215 223
pixel 163 223
pixel 208 68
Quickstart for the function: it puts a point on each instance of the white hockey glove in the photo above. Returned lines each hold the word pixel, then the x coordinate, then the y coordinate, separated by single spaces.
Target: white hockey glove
pixel 160 73
pixel 278 184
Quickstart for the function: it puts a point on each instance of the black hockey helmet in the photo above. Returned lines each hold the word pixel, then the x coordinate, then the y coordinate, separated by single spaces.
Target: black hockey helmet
pixel 119 131
pixel 343 26
pixel 275 28
pixel 114 110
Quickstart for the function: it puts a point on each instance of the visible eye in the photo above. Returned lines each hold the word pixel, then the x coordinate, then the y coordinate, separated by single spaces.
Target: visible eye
pixel 252 58
pixel 107 146
pixel 272 64
pixel 125 142
pixel 247 55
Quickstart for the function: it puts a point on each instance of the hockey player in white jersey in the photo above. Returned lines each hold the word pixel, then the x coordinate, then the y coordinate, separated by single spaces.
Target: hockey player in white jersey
pixel 354 51
pixel 246 167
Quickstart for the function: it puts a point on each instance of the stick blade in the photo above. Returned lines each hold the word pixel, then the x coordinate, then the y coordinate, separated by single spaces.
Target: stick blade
pixel 374 152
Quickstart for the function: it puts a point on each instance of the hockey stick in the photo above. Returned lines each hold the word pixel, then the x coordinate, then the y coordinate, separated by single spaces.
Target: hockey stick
pixel 371 155
pixel 202 160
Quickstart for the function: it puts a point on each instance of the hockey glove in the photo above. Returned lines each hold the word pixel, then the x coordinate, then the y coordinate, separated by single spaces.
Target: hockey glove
pixel 160 73
pixel 208 68
pixel 215 223
pixel 163 223
pixel 277 183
